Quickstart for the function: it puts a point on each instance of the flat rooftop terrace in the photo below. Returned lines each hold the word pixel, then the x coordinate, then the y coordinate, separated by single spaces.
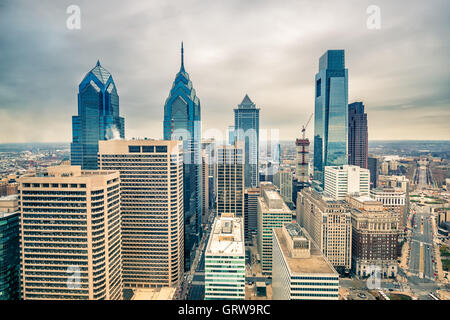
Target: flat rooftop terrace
pixel 227 237
pixel 316 263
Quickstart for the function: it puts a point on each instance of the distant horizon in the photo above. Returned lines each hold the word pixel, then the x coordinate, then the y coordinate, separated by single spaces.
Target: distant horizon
pixel 61 142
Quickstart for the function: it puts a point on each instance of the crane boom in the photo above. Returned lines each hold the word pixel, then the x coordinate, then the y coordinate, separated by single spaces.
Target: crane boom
pixel 304 126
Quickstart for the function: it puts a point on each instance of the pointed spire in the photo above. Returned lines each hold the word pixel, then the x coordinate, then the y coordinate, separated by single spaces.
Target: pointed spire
pixel 98 63
pixel 182 57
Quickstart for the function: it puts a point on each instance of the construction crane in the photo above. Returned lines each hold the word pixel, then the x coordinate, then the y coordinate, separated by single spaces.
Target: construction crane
pixel 304 126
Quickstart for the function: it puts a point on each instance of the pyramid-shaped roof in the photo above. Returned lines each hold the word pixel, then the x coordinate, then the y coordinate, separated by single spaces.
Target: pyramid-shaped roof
pixel 101 73
pixel 247 103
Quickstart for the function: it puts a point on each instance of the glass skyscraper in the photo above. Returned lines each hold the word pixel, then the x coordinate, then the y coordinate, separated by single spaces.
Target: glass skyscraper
pixel 98 117
pixel 246 124
pixel 331 113
pixel 357 135
pixel 182 121
pixel 9 248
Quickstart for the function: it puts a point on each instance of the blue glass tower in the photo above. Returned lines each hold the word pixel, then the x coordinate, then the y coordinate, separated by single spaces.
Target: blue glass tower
pixel 9 256
pixel 331 113
pixel 246 124
pixel 98 117
pixel 182 121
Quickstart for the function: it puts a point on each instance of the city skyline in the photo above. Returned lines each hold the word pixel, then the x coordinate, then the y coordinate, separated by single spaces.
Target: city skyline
pixel 396 70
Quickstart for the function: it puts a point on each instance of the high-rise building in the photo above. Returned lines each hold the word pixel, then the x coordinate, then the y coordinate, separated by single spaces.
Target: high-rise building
pixel 300 271
pixel 71 235
pixel 231 135
pixel 374 237
pixel 283 180
pixel 343 180
pixel 302 160
pixel 385 168
pixel 272 213
pixel 373 168
pixel 151 184
pixel 328 222
pixel 331 113
pixel 209 146
pixel 9 248
pixel 225 260
pixel 251 213
pixel 358 143
pixel 205 186
pixel 230 179
pixel 182 121
pixel 98 117
pixel 394 199
pixel 246 126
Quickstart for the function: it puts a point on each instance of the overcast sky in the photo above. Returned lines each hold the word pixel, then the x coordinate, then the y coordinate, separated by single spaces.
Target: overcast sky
pixel 268 49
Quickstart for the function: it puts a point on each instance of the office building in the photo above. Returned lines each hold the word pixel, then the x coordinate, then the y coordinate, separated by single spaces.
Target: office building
pixel 151 183
pixel 393 199
pixel 205 186
pixel 225 260
pixel 246 126
pixel 358 143
pixel 272 213
pixel 328 222
pixel 98 117
pixel 343 180
pixel 373 168
pixel 374 237
pixel 71 235
pixel 182 121
pixel 300 271
pixel 231 135
pixel 9 248
pixel 251 214
pixel 385 168
pixel 209 146
pixel 230 179
pixel 331 113
pixel 283 180
pixel 400 182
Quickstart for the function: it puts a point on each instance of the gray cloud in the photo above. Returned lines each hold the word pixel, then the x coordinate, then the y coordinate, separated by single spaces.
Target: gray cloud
pixel 268 49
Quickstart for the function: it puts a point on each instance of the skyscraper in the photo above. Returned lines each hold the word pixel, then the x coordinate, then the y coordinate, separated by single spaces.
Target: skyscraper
pixel 373 168
pixel 182 121
pixel 9 248
pixel 71 235
pixel 98 117
pixel 246 124
pixel 230 179
pixel 328 222
pixel 225 260
pixel 343 180
pixel 272 213
pixel 151 188
pixel 357 135
pixel 331 113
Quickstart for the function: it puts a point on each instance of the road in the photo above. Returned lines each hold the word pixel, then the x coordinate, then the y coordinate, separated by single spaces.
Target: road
pixel 421 254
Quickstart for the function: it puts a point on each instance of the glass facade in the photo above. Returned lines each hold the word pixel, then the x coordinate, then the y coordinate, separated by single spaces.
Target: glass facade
pixel 9 256
pixel 98 117
pixel 182 121
pixel 331 113
pixel 246 124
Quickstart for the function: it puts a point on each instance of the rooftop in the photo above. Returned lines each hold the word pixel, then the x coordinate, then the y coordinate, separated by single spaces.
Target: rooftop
pixel 316 263
pixel 227 237
pixel 164 293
